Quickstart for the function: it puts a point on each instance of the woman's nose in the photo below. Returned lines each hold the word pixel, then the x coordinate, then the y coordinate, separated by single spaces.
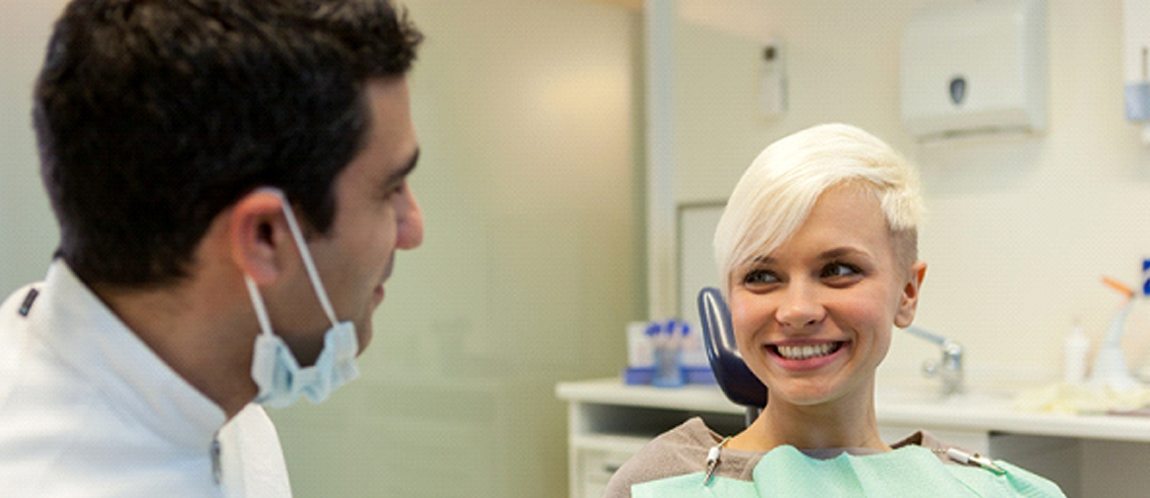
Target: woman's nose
pixel 800 306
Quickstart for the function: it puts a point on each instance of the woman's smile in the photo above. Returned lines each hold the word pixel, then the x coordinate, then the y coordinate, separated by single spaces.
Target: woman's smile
pixel 807 355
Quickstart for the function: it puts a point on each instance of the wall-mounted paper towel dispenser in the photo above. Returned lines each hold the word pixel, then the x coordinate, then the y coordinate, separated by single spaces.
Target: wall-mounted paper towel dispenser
pixel 1136 21
pixel 973 68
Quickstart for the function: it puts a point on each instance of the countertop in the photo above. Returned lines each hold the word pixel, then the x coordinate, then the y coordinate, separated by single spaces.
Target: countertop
pixel 972 413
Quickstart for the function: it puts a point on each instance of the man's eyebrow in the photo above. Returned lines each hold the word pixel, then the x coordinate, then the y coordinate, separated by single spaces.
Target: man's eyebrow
pixel 405 170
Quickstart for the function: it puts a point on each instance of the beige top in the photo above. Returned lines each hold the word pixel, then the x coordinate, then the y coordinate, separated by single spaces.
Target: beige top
pixel 683 450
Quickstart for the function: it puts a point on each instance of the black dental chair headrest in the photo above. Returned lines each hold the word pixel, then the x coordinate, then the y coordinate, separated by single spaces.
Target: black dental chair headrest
pixel 734 378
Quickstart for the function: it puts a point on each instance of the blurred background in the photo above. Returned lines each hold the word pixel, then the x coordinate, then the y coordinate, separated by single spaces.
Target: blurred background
pixel 549 225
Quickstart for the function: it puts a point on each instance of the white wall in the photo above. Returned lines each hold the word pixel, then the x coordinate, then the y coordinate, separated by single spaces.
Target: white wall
pixel 28 233
pixel 530 267
pixel 1019 231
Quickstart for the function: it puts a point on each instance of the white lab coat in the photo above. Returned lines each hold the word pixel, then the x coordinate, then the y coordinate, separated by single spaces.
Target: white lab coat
pixel 87 409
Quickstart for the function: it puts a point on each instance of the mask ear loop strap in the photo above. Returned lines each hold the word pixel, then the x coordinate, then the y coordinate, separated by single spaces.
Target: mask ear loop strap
pixel 305 254
pixel 258 304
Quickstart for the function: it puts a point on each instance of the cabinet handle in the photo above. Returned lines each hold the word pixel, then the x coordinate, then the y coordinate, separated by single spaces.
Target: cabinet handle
pixel 611 468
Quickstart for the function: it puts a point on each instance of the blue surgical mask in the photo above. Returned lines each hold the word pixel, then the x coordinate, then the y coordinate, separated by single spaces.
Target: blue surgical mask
pixel 274 367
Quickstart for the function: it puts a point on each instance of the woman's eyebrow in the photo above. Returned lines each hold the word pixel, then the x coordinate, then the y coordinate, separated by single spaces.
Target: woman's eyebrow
pixel 762 260
pixel 839 252
pixel 832 253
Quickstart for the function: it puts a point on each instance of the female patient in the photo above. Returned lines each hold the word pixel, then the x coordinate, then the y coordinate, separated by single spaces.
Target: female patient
pixel 817 252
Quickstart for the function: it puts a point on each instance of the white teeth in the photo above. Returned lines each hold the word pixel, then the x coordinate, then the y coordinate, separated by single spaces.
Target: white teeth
pixel 804 352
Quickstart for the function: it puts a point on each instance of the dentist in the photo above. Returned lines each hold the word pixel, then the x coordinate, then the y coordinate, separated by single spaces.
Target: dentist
pixel 230 180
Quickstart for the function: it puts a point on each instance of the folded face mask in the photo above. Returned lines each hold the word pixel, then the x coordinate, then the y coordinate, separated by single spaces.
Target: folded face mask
pixel 275 369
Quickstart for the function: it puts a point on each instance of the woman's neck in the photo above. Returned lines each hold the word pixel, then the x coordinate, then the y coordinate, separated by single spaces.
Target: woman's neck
pixel 847 422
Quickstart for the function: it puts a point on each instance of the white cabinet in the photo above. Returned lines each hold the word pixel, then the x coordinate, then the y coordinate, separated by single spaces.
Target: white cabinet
pixel 596 458
pixel 608 422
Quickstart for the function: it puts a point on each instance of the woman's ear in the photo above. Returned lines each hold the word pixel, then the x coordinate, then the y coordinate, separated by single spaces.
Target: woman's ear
pixel 908 299
pixel 258 236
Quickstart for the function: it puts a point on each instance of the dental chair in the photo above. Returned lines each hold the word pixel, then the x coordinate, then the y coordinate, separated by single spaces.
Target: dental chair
pixel 736 380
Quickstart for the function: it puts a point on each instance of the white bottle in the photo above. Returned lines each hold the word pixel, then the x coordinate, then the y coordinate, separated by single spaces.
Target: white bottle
pixel 1075 351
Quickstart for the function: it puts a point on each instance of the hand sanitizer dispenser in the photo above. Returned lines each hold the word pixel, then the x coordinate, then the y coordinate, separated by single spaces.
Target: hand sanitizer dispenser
pixel 975 68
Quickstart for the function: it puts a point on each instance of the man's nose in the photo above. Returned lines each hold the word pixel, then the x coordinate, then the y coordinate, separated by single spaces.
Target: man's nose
pixel 410 223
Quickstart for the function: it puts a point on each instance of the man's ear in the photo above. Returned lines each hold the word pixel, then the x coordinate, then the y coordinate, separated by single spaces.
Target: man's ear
pixel 258 236
pixel 908 300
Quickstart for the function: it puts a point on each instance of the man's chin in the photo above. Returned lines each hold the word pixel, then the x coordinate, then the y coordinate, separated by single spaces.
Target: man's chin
pixel 363 334
pixel 377 296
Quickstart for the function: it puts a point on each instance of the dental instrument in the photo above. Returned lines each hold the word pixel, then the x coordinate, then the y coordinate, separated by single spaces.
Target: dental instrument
pixel 714 458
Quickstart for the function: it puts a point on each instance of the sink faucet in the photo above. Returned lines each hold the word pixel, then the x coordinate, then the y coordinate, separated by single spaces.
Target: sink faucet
pixel 949 368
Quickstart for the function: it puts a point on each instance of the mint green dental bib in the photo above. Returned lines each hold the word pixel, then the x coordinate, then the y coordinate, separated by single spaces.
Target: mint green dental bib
pixel 906 472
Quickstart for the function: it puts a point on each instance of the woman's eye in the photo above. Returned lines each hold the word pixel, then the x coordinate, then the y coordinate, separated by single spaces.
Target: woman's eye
pixel 760 277
pixel 839 270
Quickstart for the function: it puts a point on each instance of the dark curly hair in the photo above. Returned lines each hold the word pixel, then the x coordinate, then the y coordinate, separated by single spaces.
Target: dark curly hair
pixel 153 116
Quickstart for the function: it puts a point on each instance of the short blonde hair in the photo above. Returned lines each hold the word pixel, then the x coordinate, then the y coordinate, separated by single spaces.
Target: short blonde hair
pixel 777 192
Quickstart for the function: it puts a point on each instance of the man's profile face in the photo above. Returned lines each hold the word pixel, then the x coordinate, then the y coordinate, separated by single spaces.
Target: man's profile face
pixel 376 213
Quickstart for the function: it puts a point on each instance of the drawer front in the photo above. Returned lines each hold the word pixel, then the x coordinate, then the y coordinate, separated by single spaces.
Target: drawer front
pixel 596 466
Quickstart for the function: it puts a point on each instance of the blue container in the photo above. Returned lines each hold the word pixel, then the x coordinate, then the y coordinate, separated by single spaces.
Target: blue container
pixel 1146 276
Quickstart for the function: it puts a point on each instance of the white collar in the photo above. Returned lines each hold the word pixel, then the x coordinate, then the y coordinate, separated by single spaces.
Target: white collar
pixel 93 340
